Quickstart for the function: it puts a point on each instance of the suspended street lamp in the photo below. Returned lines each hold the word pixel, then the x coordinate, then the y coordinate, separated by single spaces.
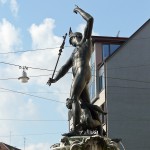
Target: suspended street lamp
pixel 24 78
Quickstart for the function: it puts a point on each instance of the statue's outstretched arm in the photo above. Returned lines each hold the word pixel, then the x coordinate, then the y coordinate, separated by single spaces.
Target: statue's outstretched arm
pixel 89 19
pixel 62 71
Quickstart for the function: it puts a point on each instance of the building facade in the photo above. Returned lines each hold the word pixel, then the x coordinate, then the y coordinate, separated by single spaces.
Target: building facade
pixel 104 47
pixel 123 89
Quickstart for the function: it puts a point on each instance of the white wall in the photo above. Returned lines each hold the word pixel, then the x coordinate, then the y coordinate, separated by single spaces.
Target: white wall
pixel 128 91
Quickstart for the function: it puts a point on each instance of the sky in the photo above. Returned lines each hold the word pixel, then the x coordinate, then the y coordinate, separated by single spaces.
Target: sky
pixel 33 115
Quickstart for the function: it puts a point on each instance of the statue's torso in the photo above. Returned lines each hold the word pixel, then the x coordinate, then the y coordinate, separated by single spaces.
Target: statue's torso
pixel 81 57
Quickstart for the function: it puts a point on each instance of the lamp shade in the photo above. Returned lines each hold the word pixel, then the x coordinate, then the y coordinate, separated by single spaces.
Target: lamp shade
pixel 24 78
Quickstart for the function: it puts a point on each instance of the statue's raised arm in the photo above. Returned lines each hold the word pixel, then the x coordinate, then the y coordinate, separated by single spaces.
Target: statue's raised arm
pixel 89 26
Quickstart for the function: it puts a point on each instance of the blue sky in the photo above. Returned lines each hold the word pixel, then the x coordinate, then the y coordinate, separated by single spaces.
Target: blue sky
pixel 30 25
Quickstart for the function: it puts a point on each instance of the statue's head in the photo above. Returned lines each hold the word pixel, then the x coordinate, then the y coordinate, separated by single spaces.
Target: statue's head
pixel 76 35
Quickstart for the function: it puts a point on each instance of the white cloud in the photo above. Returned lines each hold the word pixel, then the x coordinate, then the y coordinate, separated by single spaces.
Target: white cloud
pixel 27 109
pixel 39 146
pixel 13 4
pixel 13 106
pixel 9 36
pixel 42 35
pixel 14 7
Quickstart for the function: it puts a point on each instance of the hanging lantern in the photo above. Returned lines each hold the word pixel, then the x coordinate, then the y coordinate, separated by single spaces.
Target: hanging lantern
pixel 24 78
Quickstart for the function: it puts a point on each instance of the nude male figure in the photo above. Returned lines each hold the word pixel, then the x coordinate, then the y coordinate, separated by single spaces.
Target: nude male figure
pixel 79 61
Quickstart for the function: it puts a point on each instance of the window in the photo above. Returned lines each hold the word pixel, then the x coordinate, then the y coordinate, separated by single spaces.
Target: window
pixel 105 51
pixel 113 47
pixel 108 49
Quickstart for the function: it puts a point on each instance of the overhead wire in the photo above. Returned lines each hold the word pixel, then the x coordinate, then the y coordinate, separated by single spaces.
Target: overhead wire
pixel 114 86
pixel 33 50
pixel 28 76
pixel 39 92
pixel 6 63
pixel 125 79
pixel 33 76
pixel 16 65
pixel 23 93
pixel 29 134
pixel 52 70
pixel 43 49
pixel 119 67
pixel 8 78
pixel 31 120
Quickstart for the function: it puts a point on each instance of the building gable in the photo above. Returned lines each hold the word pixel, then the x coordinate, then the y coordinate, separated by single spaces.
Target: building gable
pixel 143 33
pixel 4 146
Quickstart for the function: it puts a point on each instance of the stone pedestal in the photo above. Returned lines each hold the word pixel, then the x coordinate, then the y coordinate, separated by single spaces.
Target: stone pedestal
pixel 95 142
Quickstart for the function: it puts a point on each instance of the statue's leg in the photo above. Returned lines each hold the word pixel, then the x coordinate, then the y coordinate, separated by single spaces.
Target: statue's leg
pixel 76 111
pixel 77 87
pixel 85 96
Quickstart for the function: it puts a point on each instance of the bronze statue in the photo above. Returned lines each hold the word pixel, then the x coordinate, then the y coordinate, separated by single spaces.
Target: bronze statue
pixel 79 61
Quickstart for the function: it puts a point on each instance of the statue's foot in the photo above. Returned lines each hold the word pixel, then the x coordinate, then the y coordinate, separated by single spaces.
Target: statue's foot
pixel 71 133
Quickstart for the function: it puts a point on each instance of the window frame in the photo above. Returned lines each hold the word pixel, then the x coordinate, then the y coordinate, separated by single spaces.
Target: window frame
pixel 109 49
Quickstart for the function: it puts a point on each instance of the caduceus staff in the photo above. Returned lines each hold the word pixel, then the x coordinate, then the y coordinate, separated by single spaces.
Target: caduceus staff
pixel 60 51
